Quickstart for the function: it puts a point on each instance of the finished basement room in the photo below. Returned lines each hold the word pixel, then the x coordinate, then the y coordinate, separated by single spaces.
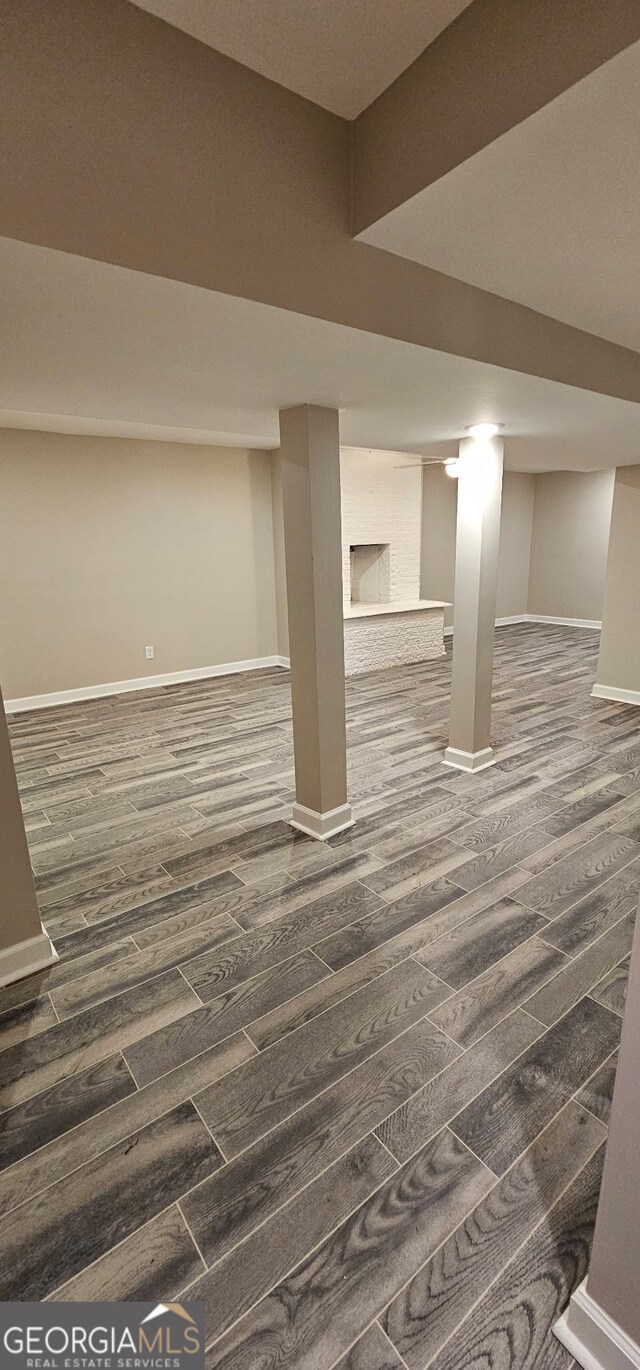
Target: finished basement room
pixel 320 685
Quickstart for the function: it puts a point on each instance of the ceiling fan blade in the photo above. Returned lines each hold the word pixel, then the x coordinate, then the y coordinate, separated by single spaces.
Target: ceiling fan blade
pixel 423 461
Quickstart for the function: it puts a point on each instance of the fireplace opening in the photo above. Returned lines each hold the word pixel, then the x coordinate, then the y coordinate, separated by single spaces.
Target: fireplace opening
pixel 370 573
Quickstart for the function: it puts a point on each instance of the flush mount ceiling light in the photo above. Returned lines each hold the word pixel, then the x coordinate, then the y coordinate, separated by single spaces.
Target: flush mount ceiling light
pixel 483 430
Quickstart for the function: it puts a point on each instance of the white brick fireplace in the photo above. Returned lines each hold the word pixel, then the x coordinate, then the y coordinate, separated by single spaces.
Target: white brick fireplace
pixel 386 622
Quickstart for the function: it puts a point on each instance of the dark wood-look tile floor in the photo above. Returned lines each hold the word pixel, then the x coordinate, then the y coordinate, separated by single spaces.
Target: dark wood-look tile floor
pixel 353 1096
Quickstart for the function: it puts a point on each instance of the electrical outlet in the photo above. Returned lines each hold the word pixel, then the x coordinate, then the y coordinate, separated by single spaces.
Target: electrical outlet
pixel 149 653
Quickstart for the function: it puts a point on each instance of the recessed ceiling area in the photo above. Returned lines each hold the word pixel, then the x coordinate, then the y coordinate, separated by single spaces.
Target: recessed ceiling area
pixel 99 349
pixel 339 53
pixel 547 215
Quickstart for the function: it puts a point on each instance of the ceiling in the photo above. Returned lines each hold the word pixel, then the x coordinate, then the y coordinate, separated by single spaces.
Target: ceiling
pixel 94 348
pixel 339 53
pixel 548 214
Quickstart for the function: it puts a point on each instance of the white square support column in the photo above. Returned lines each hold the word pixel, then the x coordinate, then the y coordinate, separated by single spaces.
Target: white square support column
pixel 476 582
pixel 601 1325
pixel 310 451
pixel 24 944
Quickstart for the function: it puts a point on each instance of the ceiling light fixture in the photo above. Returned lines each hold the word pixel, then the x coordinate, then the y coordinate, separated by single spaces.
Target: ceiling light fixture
pixel 483 430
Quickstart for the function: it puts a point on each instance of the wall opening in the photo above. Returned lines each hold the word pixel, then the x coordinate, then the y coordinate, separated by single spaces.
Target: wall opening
pixel 370 573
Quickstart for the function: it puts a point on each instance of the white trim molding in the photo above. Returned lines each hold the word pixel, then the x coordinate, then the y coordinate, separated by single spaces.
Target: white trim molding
pixel 469 761
pixel 24 958
pixel 149 682
pixel 541 618
pixel 593 1338
pixel 618 696
pixel 565 622
pixel 322 825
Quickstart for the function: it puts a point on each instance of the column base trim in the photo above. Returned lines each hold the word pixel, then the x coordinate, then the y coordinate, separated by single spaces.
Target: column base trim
pixel 321 825
pixel 469 761
pixel 593 1338
pixel 23 959
pixel 618 696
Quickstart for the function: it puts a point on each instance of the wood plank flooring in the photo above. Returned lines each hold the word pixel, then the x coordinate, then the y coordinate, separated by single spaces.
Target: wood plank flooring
pixel 353 1096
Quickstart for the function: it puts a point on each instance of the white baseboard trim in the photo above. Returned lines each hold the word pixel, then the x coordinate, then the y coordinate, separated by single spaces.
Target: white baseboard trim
pixel 541 618
pixel 618 696
pixel 565 622
pixel 26 957
pixel 322 825
pixel 469 761
pixel 593 1338
pixel 149 682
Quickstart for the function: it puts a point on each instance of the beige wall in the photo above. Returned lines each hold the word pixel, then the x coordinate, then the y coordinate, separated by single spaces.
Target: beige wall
pixel 571 518
pixel 439 498
pixel 619 662
pixel 438 552
pixel 108 545
pixel 515 543
pixel 282 620
pixel 553 542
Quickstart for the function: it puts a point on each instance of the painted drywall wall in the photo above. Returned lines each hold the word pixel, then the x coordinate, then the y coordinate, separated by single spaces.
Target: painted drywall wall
pixel 282 619
pixel 439 501
pixel 571 518
pixel 518 493
pixel 619 661
pixel 108 545
pixel 438 550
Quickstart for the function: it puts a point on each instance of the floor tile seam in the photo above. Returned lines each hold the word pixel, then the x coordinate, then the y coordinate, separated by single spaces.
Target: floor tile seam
pixel 101 1154
pixel 387 1338
pixel 332 1083
pixel 225 1159
pixel 166 941
pixel 299 908
pixel 106 852
pixel 467 984
pixel 591 1077
pixel 445 984
pixel 519 1248
pixel 316 1016
pixel 192 1235
pixel 589 995
pixel 563 1090
pixel 259 1140
pixel 491 1173
pixel 118 1051
pixel 574 961
pixel 144 980
pixel 534 937
pixel 22 1041
pixel 415 926
pixel 211 1269
pixel 471 1098
pixel 585 895
pixel 50 1295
